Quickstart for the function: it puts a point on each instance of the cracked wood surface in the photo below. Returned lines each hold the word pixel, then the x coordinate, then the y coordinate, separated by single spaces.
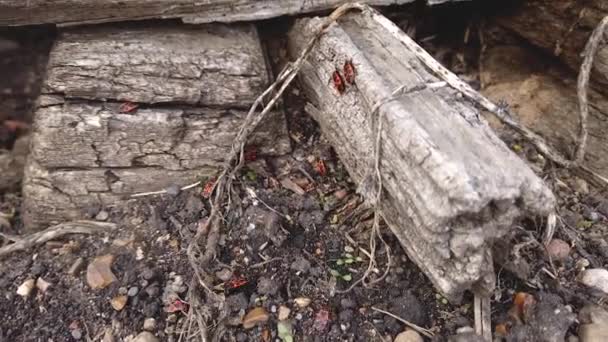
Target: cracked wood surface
pixel 450 185
pixel 72 12
pixel 193 85
pixel 562 28
pixel 212 65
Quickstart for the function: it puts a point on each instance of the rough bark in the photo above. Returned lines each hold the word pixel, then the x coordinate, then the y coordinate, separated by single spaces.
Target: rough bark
pixel 562 28
pixel 193 86
pixel 450 186
pixel 71 12
pixel 544 99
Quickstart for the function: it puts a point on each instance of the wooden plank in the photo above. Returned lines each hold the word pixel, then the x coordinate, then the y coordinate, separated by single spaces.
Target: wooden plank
pixel 450 185
pixel 72 12
pixel 216 65
pixel 562 27
pixel 193 86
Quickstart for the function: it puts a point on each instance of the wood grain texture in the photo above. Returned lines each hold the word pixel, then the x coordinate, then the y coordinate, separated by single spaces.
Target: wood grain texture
pixel 210 65
pixel 562 28
pixel 194 87
pixel 451 187
pixel 72 12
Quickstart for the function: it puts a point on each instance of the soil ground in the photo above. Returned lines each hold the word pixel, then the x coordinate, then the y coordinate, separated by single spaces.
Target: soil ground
pixel 298 247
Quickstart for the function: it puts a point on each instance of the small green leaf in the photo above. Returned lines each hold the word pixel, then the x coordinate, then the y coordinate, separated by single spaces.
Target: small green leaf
pixel 584 224
pixel 348 249
pixel 347 277
pixel 359 259
pixel 517 148
pixel 349 261
pixel 334 273
pixel 284 331
pixel 339 262
pixel 251 175
pixel 348 255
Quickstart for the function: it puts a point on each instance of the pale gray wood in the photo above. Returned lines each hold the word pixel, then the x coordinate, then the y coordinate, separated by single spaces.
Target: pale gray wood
pixel 194 86
pixel 562 28
pixel 211 65
pixel 71 12
pixel 451 187
pixel 90 135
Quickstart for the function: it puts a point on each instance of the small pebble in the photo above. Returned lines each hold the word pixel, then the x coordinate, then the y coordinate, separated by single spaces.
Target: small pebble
pixel 596 278
pixel 42 285
pixel 149 324
pixel 558 249
pixel 133 291
pixel 148 274
pixel 77 334
pixel 25 289
pixel 139 253
pixel 302 302
pixel 118 303
pixel 283 313
pixel 102 215
pixel 152 290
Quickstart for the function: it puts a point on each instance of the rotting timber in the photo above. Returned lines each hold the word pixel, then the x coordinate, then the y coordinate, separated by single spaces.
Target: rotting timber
pixel 450 185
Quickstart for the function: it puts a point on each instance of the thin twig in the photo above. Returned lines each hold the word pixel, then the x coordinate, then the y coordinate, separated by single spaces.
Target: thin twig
pixel 583 84
pixel 423 331
pixel 51 233
pixel 221 201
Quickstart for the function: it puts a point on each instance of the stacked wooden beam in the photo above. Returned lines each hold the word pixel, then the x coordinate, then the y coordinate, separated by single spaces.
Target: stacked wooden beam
pixel 73 12
pixel 192 85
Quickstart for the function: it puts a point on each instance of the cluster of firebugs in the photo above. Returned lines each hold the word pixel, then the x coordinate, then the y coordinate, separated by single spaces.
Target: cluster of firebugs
pixel 347 77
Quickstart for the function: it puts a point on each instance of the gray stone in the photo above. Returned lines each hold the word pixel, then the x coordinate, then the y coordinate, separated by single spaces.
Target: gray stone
pixel 102 215
pixel 133 291
pixel 150 324
pixel 76 334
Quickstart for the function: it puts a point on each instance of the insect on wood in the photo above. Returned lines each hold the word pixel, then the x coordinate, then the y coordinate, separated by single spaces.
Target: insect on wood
pixel 349 72
pixel 338 81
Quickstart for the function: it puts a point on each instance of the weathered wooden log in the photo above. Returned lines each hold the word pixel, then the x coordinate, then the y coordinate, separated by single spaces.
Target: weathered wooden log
pixel 562 27
pixel 73 12
pixel 193 87
pixel 450 186
pixel 545 100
